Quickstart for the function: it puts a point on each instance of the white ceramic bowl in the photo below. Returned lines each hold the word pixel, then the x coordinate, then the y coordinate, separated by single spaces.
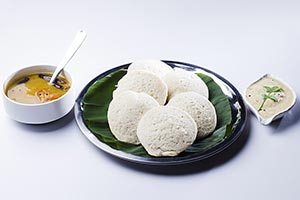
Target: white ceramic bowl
pixel 38 113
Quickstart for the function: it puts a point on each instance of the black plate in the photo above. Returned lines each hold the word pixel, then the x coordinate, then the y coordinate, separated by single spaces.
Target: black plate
pixel 239 116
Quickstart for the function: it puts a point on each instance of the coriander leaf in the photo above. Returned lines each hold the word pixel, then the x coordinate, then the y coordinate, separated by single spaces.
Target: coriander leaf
pixel 277 89
pixel 268 89
pixel 268 95
pixel 273 98
pixel 264 96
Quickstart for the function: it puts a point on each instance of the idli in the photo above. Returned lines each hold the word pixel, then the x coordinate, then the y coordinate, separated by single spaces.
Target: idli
pixel 200 109
pixel 183 81
pixel 125 112
pixel 166 131
pixel 143 81
pixel 157 67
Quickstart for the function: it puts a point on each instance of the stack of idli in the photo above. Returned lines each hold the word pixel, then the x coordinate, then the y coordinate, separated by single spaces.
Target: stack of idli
pixel 162 109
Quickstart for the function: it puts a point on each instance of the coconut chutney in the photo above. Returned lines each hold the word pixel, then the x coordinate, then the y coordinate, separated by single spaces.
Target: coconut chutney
pixel 269 97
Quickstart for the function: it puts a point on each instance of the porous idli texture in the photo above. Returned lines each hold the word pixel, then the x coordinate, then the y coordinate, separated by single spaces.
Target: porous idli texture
pixel 157 67
pixel 183 81
pixel 143 81
pixel 125 112
pixel 166 131
pixel 200 109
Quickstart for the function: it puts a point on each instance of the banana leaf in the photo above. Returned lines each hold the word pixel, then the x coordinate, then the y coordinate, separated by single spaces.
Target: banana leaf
pixel 97 99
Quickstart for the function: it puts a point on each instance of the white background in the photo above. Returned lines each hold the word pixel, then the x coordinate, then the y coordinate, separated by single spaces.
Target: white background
pixel 240 40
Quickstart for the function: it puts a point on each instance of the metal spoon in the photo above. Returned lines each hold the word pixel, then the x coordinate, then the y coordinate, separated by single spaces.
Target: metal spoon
pixel 77 42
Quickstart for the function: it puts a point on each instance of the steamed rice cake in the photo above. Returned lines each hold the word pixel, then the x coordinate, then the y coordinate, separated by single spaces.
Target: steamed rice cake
pixel 143 81
pixel 125 112
pixel 183 81
pixel 200 109
pixel 166 131
pixel 157 67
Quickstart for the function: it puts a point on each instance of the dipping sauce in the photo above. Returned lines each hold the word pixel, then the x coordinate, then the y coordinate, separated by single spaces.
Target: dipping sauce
pixel 269 96
pixel 34 89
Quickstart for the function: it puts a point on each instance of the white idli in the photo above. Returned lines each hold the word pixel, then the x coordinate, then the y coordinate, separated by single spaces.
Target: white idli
pixel 143 81
pixel 157 67
pixel 183 81
pixel 201 110
pixel 166 131
pixel 125 112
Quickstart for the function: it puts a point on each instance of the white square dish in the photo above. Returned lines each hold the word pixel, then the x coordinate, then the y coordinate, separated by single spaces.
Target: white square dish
pixel 269 98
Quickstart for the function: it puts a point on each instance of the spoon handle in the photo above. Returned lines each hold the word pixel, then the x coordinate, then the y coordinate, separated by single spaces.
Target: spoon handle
pixel 77 42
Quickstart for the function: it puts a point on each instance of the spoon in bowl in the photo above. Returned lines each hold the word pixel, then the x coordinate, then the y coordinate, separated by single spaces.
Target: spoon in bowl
pixel 77 42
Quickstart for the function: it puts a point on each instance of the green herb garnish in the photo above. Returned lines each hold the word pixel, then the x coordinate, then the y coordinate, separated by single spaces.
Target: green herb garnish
pixel 270 92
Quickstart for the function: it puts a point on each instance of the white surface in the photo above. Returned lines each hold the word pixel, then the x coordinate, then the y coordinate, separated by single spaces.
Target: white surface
pixel 240 40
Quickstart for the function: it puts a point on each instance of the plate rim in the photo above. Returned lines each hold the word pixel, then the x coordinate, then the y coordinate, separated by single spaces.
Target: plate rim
pixel 161 160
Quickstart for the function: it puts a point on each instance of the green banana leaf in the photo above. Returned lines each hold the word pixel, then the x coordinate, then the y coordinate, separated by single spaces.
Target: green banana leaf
pixel 98 96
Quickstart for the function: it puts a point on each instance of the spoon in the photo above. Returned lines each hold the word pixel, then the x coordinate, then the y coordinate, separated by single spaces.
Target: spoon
pixel 77 42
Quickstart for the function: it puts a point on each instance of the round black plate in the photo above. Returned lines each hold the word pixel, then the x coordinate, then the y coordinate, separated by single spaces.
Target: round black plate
pixel 239 116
